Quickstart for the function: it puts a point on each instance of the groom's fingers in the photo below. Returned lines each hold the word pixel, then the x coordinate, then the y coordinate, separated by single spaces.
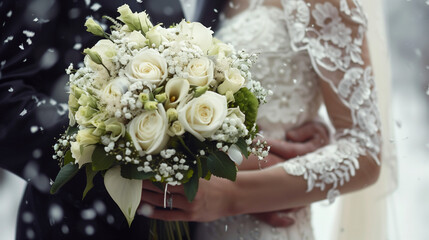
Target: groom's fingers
pixel 275 219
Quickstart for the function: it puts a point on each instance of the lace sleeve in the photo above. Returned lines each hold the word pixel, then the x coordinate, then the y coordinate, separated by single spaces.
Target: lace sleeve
pixel 333 34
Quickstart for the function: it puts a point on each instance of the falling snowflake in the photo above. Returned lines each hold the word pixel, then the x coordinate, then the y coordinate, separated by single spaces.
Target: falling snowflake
pixel 53 102
pixel 28 33
pixel 29 42
pixel 87 2
pixel 77 46
pixel 95 7
pixel 139 1
pixel 21 46
pixel 10 38
pixel 23 112
pixel 10 90
pixel 9 14
pixel 35 19
pixel 34 129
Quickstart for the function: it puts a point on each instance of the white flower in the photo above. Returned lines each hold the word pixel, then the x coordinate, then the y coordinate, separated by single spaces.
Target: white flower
pixel 83 156
pixel 148 66
pixel 112 93
pixel 176 90
pixel 236 114
pixel 199 35
pixel 202 116
pixel 107 50
pixel 220 49
pixel 234 154
pixel 136 40
pixel 176 129
pixel 200 71
pixel 233 81
pixel 148 131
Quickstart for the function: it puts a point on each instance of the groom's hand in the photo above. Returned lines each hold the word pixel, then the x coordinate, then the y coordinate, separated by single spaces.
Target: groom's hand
pixel 300 141
pixel 278 218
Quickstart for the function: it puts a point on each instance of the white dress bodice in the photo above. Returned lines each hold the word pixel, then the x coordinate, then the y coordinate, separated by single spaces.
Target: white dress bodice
pixel 295 99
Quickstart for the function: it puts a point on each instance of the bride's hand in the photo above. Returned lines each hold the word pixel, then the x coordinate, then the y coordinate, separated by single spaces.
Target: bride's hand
pixel 277 218
pixel 212 201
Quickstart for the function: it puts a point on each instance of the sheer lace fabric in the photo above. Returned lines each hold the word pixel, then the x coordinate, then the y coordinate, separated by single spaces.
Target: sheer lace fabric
pixel 309 50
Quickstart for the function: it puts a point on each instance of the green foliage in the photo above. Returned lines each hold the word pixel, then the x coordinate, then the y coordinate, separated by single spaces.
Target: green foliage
pixel 89 179
pixel 130 171
pixel 101 160
pixel 72 130
pixel 242 145
pixel 64 175
pixel 220 165
pixel 248 104
pixel 191 187
pixel 68 158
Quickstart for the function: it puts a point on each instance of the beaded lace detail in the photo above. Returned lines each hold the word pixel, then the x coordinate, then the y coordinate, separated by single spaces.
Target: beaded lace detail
pixel 335 50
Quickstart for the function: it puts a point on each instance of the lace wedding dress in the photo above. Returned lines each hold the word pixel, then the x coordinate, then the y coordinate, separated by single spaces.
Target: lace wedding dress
pixel 310 52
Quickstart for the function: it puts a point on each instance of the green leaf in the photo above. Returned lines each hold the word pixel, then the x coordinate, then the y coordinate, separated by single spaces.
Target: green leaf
pixel 89 179
pixel 204 169
pixel 100 160
pixel 191 187
pixel 68 158
pixel 221 165
pixel 64 175
pixel 242 145
pixel 130 171
pixel 72 130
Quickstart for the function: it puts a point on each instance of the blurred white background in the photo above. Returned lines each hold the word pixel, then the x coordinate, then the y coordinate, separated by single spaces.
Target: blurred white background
pixel 408 36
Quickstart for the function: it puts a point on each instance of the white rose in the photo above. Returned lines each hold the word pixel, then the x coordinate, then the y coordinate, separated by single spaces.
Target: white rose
pixel 176 90
pixel 136 40
pixel 202 116
pixel 233 81
pixel 148 66
pixel 200 71
pixel 83 156
pixel 148 131
pixel 176 129
pixel 200 35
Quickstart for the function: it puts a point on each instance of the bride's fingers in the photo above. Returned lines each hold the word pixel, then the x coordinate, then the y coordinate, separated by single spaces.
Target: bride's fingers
pixel 157 199
pixel 307 132
pixel 171 189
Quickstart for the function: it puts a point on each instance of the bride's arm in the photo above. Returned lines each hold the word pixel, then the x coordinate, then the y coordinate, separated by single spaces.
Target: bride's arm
pixel 332 32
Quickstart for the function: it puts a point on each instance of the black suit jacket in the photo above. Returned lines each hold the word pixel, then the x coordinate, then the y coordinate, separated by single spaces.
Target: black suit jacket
pixel 31 76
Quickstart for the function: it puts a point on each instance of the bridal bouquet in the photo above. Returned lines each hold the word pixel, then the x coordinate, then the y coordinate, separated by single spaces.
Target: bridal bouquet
pixel 169 105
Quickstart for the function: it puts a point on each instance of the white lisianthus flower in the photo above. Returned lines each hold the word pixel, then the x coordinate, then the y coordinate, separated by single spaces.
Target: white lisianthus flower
pixel 148 66
pixel 233 81
pixel 220 49
pixel 199 35
pixel 176 129
pixel 148 131
pixel 136 40
pixel 176 90
pixel 202 116
pixel 200 71
pixel 107 50
pixel 83 156
pixel 156 36
pixel 85 137
pixel 236 114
